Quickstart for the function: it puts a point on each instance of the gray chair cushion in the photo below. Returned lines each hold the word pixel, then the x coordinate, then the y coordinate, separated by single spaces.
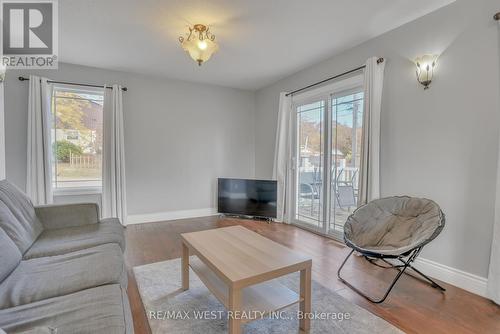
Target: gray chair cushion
pixel 393 225
pixel 54 276
pixel 10 256
pixel 99 310
pixel 69 239
pixel 17 216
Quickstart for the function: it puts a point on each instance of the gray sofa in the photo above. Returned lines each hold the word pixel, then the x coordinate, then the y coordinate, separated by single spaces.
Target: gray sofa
pixel 61 268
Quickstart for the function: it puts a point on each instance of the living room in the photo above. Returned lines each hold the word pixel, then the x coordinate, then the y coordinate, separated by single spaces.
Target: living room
pixel 250 167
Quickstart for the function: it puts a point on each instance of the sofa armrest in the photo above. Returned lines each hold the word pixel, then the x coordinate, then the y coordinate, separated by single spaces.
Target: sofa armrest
pixel 67 215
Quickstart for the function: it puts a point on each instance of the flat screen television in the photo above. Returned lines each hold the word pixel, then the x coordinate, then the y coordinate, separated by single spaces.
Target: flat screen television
pixel 244 197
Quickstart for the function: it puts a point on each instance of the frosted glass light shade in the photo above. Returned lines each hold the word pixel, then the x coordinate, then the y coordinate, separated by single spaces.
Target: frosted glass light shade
pixel 199 50
pixel 426 61
pixel 425 69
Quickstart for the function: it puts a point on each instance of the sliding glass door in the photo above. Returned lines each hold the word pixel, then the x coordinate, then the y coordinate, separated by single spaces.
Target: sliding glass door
pixel 326 157
pixel 310 160
pixel 346 128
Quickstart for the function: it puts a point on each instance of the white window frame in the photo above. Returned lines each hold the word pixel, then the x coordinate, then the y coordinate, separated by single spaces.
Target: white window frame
pixel 76 191
pixel 323 93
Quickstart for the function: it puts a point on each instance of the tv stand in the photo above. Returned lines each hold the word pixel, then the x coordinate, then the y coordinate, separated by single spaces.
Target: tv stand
pixel 266 219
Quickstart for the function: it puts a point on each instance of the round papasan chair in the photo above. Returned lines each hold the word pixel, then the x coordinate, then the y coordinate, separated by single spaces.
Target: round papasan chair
pixel 394 228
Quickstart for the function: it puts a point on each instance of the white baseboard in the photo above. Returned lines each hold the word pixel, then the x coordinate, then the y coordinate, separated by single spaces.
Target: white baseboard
pixel 170 215
pixel 464 280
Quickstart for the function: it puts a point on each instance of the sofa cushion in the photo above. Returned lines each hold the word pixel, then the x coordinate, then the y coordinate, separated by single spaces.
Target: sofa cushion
pixel 10 256
pixel 36 330
pixel 33 280
pixel 69 239
pixel 67 215
pixel 17 216
pixel 103 309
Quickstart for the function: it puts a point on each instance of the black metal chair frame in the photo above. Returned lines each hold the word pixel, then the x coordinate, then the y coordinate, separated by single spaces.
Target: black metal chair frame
pixel 406 259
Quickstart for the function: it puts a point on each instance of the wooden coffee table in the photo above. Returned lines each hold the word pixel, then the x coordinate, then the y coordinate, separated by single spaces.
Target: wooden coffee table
pixel 236 265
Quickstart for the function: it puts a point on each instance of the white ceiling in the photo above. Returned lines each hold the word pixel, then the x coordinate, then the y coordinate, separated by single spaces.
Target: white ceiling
pixel 260 41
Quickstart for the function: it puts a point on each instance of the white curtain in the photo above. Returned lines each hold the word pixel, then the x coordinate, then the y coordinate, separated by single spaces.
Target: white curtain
pixel 494 270
pixel 114 199
pixel 2 133
pixel 282 150
pixel 39 165
pixel 369 182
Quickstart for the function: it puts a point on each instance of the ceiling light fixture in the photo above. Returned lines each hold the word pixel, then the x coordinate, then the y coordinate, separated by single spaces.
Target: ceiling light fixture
pixel 199 43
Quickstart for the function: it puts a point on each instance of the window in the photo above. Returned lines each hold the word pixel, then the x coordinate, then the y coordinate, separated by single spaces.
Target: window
pixel 77 136
pixel 327 154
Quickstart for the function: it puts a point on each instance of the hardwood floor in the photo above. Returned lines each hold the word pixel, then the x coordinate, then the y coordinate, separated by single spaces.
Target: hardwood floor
pixel 413 306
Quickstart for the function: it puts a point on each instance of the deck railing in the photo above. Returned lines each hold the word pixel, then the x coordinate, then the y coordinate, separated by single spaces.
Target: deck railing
pixel 85 161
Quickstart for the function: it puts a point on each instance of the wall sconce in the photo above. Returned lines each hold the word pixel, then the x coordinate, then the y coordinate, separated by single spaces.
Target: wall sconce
pixel 425 69
pixel 3 70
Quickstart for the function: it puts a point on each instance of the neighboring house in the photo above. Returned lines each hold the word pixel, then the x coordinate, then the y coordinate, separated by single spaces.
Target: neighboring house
pixel 90 138
pixel 86 139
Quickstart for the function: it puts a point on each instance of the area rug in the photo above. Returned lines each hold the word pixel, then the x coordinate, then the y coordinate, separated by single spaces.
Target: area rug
pixel 171 310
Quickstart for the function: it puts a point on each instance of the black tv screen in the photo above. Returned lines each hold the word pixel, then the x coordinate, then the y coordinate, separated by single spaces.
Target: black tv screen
pixel 247 197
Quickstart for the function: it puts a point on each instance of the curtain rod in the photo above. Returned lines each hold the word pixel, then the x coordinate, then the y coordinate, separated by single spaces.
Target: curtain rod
pixel 380 60
pixel 497 16
pixel 73 83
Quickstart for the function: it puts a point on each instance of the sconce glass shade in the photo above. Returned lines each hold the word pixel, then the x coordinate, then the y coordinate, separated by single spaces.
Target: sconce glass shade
pixel 425 69
pixel 199 44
